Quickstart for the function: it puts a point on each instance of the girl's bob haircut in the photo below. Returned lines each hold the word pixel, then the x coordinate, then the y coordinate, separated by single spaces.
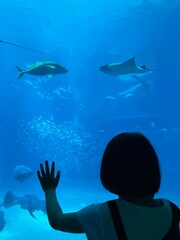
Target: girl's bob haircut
pixel 130 166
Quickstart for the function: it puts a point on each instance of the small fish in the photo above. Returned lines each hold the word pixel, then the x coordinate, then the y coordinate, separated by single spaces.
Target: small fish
pixel 132 91
pixel 42 68
pixel 127 67
pixel 109 97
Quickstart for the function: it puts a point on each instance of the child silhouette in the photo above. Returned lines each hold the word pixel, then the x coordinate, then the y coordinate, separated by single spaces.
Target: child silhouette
pixel 129 169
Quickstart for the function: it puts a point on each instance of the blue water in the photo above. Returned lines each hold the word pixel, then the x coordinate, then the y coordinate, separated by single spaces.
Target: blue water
pixel 69 118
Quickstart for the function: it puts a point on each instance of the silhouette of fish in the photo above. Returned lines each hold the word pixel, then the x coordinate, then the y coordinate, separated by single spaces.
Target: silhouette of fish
pixel 127 67
pixel 28 202
pixel 42 68
pixel 21 173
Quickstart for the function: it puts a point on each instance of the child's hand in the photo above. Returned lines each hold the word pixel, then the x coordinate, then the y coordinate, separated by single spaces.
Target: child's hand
pixel 47 178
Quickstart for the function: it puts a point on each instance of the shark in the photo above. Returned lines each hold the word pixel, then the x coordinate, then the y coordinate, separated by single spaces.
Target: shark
pixel 124 68
pixel 42 68
pixel 28 202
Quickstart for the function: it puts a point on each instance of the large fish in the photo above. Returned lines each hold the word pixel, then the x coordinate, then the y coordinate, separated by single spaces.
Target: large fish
pixel 127 67
pixel 29 202
pixel 42 68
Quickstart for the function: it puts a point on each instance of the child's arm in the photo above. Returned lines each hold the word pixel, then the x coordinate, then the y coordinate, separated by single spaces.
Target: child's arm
pixel 58 220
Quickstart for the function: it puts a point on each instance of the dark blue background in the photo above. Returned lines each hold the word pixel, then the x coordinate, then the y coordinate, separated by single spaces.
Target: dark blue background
pixel 41 120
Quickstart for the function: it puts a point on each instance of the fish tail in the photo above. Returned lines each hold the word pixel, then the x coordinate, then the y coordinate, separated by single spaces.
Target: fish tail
pixel 32 214
pixel 21 73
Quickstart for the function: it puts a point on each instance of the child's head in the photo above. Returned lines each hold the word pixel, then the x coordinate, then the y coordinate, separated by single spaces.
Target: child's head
pixel 130 166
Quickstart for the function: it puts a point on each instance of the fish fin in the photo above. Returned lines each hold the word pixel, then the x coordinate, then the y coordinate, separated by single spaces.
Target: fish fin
pixel 10 200
pixel 31 213
pixel 130 62
pixel 21 73
pixel 144 67
pixel 50 76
